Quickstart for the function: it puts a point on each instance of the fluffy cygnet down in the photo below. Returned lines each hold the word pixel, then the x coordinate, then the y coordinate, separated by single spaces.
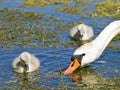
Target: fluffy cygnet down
pixel 81 32
pixel 25 62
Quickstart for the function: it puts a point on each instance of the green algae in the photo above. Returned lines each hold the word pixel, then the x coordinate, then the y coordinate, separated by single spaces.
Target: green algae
pixel 116 37
pixel 20 29
pixel 42 3
pixel 27 29
pixel 16 27
pixel 71 10
pixel 111 46
pixel 107 9
pixel 83 2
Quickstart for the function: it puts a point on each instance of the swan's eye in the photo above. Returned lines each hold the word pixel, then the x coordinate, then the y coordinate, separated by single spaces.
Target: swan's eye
pixel 79 57
pixel 83 54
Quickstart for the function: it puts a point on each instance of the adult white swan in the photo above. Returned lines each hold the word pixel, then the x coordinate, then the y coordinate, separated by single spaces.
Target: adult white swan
pixel 25 62
pixel 89 52
pixel 81 32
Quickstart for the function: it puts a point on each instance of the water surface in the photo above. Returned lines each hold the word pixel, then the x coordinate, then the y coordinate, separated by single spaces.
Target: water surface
pixel 55 56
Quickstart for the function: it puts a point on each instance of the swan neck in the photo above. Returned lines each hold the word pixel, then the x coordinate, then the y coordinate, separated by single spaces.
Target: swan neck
pixel 106 36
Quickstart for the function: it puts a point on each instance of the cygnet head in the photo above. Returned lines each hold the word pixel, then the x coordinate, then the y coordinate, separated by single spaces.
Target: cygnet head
pixel 82 29
pixel 81 32
pixel 25 57
pixel 86 32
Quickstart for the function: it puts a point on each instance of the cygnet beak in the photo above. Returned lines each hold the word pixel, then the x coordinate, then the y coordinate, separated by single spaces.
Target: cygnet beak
pixel 25 66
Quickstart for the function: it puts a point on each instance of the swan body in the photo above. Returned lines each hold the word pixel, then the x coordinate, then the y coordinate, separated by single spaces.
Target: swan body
pixel 91 51
pixel 81 32
pixel 25 62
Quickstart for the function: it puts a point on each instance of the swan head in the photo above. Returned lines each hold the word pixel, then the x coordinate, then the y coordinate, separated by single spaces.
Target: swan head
pixel 25 58
pixel 91 51
pixel 81 57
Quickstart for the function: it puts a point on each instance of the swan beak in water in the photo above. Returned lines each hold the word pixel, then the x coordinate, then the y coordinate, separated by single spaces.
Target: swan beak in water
pixel 72 67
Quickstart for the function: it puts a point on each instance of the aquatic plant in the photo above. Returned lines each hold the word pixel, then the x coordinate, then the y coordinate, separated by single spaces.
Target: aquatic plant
pixel 107 9
pixel 83 2
pixel 42 3
pixel 71 10
pixel 16 27
pixel 27 29
pixel 117 37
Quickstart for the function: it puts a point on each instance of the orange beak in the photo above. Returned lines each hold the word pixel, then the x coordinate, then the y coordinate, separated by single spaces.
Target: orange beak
pixel 72 67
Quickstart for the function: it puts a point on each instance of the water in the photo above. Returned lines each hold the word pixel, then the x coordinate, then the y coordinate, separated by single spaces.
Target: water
pixel 103 73
pixel 53 62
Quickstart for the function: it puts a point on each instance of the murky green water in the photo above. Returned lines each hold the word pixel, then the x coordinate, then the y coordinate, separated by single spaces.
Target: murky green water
pixel 44 32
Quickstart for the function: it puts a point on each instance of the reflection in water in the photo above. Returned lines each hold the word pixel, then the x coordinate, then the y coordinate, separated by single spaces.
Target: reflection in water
pixel 27 80
pixel 87 77
pixel 55 34
pixel 53 61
